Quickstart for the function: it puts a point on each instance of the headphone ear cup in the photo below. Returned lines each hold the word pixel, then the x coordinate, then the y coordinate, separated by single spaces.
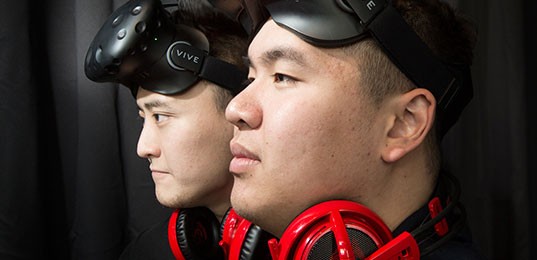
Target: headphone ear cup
pixel 333 230
pixel 198 234
pixel 255 244
pixel 223 223
pixel 243 240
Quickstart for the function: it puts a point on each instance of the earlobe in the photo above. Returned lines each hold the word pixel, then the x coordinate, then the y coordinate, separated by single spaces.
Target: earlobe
pixel 411 120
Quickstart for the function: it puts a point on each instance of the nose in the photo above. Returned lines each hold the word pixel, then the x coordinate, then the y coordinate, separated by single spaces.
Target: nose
pixel 244 110
pixel 148 144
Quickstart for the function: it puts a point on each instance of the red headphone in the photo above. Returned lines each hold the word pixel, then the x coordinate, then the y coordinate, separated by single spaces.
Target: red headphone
pixel 195 234
pixel 341 230
pixel 335 229
pixel 242 240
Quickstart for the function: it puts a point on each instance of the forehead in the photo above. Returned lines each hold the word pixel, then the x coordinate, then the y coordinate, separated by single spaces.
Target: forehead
pixel 148 100
pixel 198 95
pixel 273 43
pixel 272 39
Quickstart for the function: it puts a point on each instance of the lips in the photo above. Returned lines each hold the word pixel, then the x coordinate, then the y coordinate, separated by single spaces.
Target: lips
pixel 243 160
pixel 153 169
pixel 157 173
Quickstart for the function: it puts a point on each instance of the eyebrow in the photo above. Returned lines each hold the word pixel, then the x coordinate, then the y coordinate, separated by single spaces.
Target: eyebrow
pixel 279 53
pixel 153 104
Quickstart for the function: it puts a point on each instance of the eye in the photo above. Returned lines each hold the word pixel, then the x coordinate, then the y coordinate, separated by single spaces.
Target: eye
pixel 282 78
pixel 159 118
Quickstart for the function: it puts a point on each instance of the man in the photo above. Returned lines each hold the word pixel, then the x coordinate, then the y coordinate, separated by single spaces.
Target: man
pixel 346 103
pixel 182 68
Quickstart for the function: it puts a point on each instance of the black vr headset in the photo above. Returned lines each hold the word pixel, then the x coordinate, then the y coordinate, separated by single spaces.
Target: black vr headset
pixel 140 46
pixel 336 23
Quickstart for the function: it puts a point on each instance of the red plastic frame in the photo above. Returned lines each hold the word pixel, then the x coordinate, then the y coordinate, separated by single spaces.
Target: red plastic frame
pixel 336 216
pixel 234 234
pixel 172 236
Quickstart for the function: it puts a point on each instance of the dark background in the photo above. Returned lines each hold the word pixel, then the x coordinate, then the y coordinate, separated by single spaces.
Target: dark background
pixel 72 186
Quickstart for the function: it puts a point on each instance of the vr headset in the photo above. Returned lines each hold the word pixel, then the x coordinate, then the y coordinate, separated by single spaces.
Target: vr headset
pixel 336 23
pixel 139 45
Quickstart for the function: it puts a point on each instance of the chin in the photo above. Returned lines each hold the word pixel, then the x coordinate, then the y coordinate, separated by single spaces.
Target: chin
pixel 167 200
pixel 240 204
pixel 251 209
pixel 268 221
pixel 166 203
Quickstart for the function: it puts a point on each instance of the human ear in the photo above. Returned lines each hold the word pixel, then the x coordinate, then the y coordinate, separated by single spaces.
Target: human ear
pixel 412 117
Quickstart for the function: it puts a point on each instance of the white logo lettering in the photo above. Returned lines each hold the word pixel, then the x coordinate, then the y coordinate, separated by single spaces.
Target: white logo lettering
pixel 187 56
pixel 370 5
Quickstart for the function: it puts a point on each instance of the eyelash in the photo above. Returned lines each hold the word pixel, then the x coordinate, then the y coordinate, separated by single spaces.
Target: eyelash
pixel 154 116
pixel 282 78
pixel 278 78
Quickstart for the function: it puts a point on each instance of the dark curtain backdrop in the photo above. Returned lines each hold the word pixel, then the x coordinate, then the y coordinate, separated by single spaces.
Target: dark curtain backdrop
pixel 71 184
pixel 72 187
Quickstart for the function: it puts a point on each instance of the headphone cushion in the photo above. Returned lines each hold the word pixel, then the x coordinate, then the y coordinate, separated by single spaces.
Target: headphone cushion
pixel 198 234
pixel 255 244
pixel 223 223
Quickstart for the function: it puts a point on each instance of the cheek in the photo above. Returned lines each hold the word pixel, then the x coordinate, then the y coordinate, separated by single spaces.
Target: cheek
pixel 319 137
pixel 295 136
pixel 214 143
pixel 310 124
pixel 179 148
pixel 290 129
pixel 200 142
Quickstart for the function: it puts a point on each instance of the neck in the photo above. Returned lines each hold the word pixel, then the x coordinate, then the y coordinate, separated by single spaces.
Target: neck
pixel 220 210
pixel 407 187
pixel 219 202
